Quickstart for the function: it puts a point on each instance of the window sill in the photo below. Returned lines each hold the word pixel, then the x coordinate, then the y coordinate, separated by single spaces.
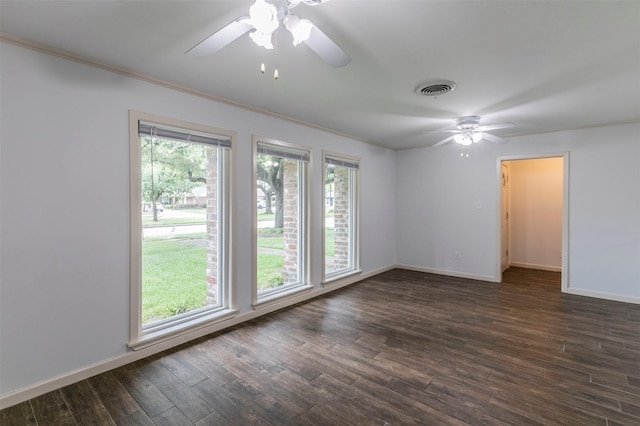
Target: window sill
pixel 334 278
pixel 281 296
pixel 175 331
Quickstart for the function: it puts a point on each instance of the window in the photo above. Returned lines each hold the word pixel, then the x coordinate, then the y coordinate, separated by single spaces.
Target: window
pixel 179 227
pixel 281 251
pixel 340 239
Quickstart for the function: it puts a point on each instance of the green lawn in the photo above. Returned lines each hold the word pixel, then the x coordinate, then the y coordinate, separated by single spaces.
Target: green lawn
pixel 276 243
pixel 329 242
pixel 166 218
pixel 269 271
pixel 162 221
pixel 174 278
pixel 263 217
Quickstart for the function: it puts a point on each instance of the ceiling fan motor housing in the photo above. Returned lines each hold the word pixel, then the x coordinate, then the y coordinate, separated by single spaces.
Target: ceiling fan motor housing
pixel 471 122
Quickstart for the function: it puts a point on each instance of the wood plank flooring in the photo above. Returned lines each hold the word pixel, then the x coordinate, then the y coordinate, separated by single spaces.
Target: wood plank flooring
pixel 396 349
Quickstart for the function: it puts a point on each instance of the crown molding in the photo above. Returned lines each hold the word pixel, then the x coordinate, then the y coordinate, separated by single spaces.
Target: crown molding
pixel 17 41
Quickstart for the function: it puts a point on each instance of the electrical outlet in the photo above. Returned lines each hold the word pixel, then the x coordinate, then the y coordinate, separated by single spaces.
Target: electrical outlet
pixel 456 255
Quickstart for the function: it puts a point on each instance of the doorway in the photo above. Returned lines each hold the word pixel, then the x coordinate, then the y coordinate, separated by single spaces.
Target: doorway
pixel 533 213
pixel 504 216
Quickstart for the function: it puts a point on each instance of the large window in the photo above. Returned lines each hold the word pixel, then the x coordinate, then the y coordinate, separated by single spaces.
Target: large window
pixel 180 222
pixel 281 251
pixel 340 240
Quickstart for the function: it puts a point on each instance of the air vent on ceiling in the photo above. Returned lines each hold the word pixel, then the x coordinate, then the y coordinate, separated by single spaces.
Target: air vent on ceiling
pixel 435 88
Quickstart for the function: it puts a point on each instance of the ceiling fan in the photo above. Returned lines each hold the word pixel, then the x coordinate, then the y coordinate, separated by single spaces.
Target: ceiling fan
pixel 469 131
pixel 265 16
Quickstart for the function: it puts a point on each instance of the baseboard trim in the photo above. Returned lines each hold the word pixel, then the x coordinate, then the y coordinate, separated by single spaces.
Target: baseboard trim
pixel 33 391
pixel 604 295
pixel 456 274
pixel 536 266
pixel 576 291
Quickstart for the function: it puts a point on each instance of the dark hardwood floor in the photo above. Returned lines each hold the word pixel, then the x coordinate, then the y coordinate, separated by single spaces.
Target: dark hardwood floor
pixel 399 348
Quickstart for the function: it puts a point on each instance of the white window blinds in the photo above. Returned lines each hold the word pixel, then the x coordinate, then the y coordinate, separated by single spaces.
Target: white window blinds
pixel 352 164
pixel 283 152
pixel 177 134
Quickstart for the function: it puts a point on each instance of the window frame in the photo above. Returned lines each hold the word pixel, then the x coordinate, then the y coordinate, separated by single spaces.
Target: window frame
pixel 143 336
pixel 280 294
pixel 355 219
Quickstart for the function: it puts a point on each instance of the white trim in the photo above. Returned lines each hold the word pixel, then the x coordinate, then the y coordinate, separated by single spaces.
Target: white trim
pixel 604 295
pixel 26 393
pixel 340 276
pixel 448 273
pixel 573 291
pixel 135 228
pixel 38 47
pixel 538 267
pixel 564 280
pixel 282 296
pixel 169 333
pixel 17 41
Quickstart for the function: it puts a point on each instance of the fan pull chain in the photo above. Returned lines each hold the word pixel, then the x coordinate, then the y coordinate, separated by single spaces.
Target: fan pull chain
pixel 464 152
pixel 275 54
pixel 263 67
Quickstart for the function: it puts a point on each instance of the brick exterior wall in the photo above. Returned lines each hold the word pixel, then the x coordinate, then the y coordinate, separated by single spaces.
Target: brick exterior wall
pixel 212 225
pixel 291 210
pixel 342 220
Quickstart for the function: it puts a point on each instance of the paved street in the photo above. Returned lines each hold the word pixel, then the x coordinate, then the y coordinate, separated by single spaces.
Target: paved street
pixel 164 231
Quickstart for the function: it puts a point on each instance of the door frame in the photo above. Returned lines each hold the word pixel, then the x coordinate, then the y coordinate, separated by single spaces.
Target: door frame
pixel 565 211
pixel 506 184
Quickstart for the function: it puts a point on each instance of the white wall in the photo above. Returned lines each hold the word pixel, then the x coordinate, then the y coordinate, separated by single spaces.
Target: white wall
pixel 438 194
pixel 535 213
pixel 65 207
pixel 64 222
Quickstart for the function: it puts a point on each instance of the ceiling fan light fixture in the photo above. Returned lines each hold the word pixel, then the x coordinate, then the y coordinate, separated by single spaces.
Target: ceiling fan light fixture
pixel 467 137
pixel 462 139
pixel 468 131
pixel 264 17
pixel 300 29
pixel 261 39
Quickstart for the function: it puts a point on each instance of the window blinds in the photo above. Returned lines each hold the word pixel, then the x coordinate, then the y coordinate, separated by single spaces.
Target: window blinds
pixel 352 164
pixel 177 134
pixel 283 152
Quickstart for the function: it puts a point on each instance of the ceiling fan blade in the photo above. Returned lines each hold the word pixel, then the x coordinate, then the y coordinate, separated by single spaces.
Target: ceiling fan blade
pixel 493 138
pixel 221 38
pixel 324 47
pixel 442 142
pixel 447 131
pixel 496 126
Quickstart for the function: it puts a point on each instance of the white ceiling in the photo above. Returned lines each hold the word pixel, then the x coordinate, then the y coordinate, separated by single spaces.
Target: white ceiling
pixel 542 65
